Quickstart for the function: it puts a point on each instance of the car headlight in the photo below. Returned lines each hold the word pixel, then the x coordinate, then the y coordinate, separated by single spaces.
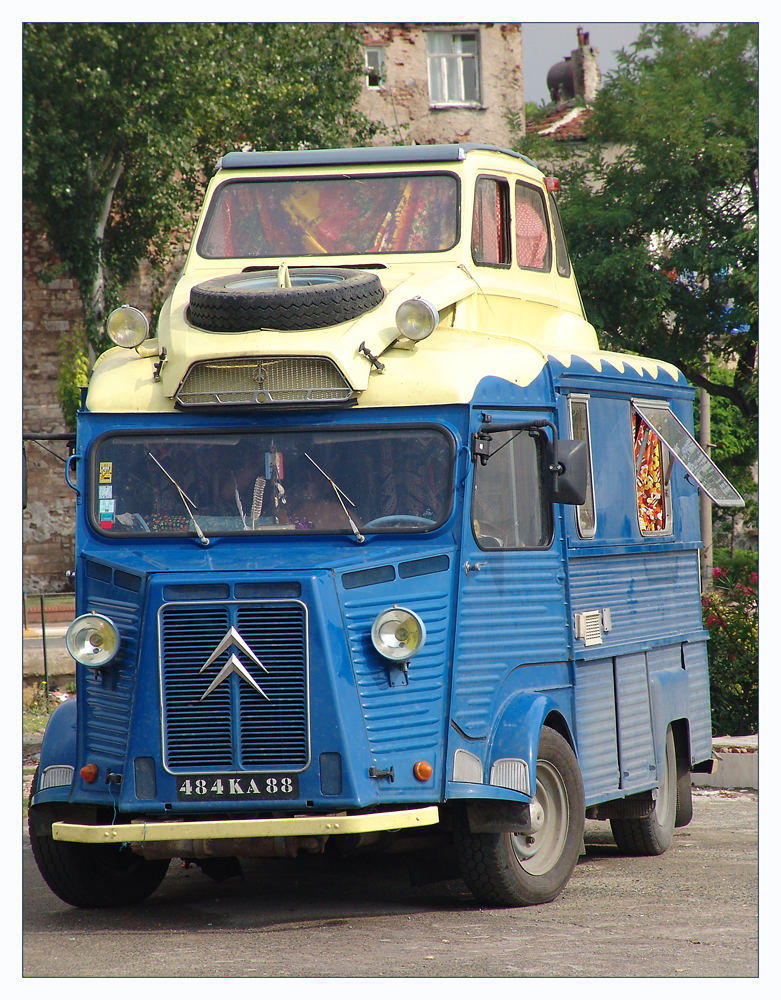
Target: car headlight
pixel 127 327
pixel 416 318
pixel 92 640
pixel 398 634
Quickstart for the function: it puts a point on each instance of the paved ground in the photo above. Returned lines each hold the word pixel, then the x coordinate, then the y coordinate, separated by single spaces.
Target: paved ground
pixel 690 913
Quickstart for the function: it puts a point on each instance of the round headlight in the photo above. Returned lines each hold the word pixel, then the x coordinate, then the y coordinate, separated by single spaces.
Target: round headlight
pixel 127 327
pixel 398 633
pixel 92 640
pixel 416 318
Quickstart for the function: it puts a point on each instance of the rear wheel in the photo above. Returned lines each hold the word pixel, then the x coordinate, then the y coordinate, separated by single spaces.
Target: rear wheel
pixel 653 834
pixel 511 869
pixel 684 806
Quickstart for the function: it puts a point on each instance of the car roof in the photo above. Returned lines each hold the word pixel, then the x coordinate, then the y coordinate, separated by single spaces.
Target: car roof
pixel 435 153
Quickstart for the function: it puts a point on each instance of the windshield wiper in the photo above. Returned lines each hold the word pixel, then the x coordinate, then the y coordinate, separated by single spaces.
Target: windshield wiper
pixel 339 494
pixel 187 501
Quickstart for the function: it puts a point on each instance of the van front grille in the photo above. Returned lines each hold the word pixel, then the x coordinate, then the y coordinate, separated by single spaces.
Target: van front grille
pixel 233 726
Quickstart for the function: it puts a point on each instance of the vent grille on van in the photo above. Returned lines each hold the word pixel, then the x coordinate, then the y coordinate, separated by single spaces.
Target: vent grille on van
pixel 256 381
pixel 588 627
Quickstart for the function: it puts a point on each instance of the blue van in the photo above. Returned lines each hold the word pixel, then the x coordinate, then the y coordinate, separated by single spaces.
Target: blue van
pixel 376 547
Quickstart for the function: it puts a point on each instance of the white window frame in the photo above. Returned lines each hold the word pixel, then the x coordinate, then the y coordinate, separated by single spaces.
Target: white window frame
pixel 586 512
pixel 371 70
pixel 439 79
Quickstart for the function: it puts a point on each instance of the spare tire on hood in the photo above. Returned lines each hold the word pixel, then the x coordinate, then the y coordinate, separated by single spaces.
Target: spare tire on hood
pixel 315 297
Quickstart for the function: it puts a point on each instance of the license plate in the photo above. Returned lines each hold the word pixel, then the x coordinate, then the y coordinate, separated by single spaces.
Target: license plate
pixel 235 787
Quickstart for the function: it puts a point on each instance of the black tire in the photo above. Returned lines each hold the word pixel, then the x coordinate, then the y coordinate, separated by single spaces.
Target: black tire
pixel 91 875
pixel 684 807
pixel 653 834
pixel 318 297
pixel 503 869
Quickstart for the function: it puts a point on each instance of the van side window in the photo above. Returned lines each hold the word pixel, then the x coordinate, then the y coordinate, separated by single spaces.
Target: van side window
pixel 585 514
pixel 510 505
pixel 532 239
pixel 490 223
pixel 563 265
pixel 652 478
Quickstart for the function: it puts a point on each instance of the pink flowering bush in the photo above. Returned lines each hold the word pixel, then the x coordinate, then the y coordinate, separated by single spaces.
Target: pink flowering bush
pixel 730 613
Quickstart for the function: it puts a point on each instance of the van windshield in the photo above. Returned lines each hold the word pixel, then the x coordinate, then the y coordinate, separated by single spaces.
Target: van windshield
pixel 361 214
pixel 348 481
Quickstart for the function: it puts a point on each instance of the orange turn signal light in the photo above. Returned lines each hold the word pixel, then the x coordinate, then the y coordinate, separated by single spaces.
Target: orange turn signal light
pixel 422 770
pixel 89 772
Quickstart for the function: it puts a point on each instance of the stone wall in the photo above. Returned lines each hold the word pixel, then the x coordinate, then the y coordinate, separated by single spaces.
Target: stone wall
pixel 49 310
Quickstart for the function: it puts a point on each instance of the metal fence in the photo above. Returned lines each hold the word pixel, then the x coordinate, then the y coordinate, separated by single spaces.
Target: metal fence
pixel 44 610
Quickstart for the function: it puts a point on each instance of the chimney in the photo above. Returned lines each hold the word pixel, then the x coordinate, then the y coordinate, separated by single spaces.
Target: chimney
pixel 585 70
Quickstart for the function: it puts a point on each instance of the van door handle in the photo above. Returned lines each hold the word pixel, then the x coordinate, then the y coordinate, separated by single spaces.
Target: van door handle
pixel 468 567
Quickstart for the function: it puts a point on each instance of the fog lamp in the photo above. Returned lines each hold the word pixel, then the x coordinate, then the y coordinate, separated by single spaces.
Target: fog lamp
pixel 416 318
pixel 92 640
pixel 127 327
pixel 398 634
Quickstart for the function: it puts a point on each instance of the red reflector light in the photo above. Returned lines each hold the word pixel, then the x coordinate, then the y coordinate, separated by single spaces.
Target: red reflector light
pixel 89 772
pixel 552 184
pixel 422 770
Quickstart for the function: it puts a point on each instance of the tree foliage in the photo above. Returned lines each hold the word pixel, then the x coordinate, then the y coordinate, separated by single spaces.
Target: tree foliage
pixel 662 213
pixel 122 122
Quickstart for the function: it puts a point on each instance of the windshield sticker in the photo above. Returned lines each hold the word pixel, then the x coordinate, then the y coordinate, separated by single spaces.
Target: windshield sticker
pixel 104 472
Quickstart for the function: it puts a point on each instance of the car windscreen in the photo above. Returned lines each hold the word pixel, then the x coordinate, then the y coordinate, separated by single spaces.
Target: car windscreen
pixel 338 481
pixel 359 214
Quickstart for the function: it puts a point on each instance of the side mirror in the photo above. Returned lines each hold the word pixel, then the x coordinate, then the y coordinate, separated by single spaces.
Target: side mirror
pixel 571 480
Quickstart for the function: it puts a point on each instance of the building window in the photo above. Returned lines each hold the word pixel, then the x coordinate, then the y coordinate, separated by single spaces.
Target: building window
pixel 453 67
pixel 374 66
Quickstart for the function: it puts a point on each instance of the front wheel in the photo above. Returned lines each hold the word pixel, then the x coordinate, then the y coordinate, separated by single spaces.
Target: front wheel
pixel 91 875
pixel 510 869
pixel 653 834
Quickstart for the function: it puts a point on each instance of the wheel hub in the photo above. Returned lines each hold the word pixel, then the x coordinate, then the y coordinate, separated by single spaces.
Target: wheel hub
pixel 527 844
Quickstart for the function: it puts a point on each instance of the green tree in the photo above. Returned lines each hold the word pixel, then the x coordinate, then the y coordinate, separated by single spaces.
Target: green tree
pixel 662 213
pixel 122 122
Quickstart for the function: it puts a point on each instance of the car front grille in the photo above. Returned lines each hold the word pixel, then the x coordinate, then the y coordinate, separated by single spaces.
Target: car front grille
pixel 253 381
pixel 234 726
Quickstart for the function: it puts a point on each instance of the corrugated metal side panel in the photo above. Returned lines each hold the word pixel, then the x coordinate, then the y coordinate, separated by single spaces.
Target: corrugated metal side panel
pixel 696 659
pixel 410 717
pixel 595 728
pixel 635 737
pixel 510 612
pixel 108 705
pixel 650 595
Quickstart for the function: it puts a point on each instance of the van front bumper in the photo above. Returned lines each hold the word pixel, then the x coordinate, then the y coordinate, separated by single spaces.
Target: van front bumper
pixel 145 831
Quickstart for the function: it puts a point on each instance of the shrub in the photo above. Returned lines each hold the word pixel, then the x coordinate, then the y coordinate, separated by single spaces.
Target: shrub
pixel 730 614
pixel 72 373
